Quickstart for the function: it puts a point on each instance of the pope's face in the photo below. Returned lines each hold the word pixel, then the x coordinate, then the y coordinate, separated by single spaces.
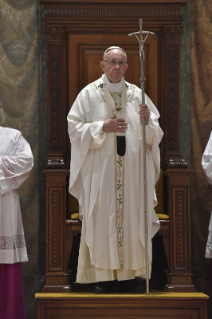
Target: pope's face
pixel 114 65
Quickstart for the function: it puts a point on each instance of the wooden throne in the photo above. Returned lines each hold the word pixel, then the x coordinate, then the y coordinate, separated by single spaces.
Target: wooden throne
pixel 77 33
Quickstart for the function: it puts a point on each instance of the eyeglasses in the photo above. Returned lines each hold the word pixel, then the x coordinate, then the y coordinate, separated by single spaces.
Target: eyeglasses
pixel 113 63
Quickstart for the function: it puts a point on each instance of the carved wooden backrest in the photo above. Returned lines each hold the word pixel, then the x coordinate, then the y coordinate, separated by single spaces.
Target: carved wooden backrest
pixel 85 55
pixel 82 30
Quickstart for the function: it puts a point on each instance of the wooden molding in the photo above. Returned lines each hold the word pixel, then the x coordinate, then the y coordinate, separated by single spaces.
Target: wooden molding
pixel 161 2
pixel 110 10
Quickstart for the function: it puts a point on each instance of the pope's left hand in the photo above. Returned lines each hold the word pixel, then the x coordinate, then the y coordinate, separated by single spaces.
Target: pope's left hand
pixel 144 112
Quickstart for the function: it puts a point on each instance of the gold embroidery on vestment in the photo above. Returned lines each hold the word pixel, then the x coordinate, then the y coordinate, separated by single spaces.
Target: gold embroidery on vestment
pixel 119 181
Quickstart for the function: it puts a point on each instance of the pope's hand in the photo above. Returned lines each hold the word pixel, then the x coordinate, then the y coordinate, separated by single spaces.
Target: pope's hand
pixel 115 125
pixel 144 113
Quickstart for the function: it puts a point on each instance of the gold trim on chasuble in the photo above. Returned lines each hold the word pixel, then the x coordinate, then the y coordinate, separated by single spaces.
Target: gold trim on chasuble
pixel 117 101
pixel 119 181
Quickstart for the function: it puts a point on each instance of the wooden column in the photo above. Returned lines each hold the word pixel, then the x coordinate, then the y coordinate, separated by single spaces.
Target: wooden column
pixel 57 127
pixel 57 278
pixel 179 274
pixel 170 94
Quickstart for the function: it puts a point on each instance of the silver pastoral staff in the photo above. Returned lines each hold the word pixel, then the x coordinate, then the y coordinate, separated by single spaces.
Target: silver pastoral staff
pixel 142 80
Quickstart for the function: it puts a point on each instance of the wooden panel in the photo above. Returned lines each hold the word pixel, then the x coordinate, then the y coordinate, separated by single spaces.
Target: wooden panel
pixel 179 275
pixel 56 264
pixel 85 55
pixel 118 306
pixel 93 71
pixel 180 234
pixel 56 228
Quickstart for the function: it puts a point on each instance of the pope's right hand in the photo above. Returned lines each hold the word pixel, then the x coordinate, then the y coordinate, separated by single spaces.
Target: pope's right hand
pixel 115 125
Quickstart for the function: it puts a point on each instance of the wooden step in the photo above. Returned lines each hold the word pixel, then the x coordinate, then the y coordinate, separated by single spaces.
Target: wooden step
pixel 160 305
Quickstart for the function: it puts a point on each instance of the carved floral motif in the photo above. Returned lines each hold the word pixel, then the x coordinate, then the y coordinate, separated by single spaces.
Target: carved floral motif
pixel 173 52
pixel 173 34
pixel 54 96
pixel 180 238
pixel 56 229
pixel 53 32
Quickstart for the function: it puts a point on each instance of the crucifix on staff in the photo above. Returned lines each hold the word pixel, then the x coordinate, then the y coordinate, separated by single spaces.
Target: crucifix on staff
pixel 142 81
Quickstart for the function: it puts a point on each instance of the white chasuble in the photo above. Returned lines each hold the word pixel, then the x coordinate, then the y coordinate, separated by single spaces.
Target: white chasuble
pixel 16 162
pixel 109 188
pixel 207 168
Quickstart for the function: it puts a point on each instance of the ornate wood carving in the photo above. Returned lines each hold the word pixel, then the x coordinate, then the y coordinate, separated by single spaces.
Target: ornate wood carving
pixel 172 34
pixel 113 10
pixel 172 84
pixel 53 32
pixel 54 96
pixel 55 229
pixel 54 35
pixel 172 45
pixel 56 260
pixel 179 275
pixel 180 233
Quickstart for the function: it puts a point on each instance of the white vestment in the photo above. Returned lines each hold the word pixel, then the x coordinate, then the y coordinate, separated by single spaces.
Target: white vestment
pixel 113 228
pixel 16 162
pixel 207 167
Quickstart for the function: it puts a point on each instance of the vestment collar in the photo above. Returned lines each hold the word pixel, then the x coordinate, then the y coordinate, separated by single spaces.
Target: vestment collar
pixel 113 87
pixel 103 93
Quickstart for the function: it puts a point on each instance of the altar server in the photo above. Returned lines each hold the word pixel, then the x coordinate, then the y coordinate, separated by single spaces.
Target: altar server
pixel 16 162
pixel 207 167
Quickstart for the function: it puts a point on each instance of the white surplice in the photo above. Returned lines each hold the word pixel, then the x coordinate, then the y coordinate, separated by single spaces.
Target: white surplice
pixel 207 167
pixel 16 162
pixel 104 254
